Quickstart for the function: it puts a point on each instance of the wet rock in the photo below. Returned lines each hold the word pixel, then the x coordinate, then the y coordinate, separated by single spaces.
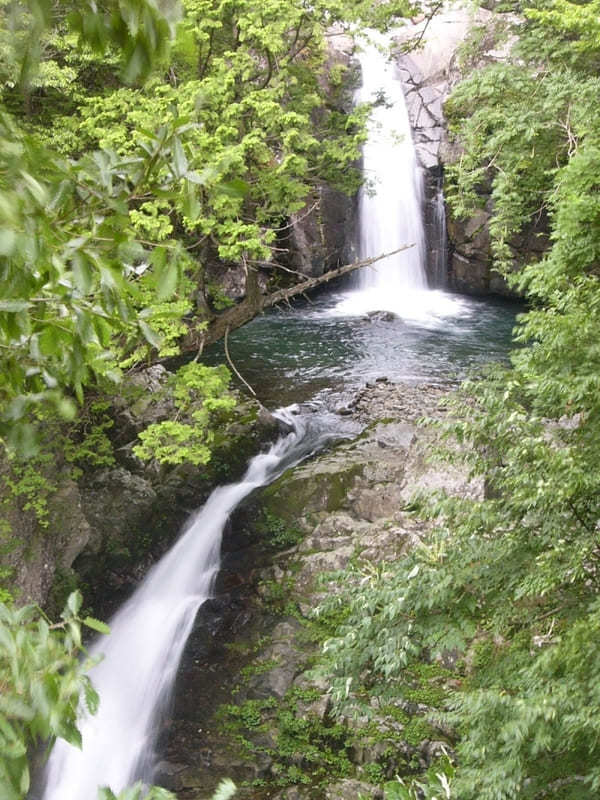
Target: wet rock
pixel 351 789
pixel 388 544
pixel 167 774
pixel 131 496
pixel 324 543
pixel 329 561
pixel 292 793
pixel 37 559
pixel 144 399
pixel 271 425
pixel 321 485
pixel 318 708
pixel 283 659
pixel 383 316
pixel 431 751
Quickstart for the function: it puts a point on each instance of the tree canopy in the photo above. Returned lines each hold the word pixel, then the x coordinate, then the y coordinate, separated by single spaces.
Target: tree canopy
pixel 139 141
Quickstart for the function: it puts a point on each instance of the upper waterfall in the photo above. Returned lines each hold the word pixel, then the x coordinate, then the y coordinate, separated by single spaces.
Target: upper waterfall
pixel 391 200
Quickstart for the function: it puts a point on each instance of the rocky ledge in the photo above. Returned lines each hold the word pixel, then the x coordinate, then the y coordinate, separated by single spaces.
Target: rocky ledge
pixel 248 705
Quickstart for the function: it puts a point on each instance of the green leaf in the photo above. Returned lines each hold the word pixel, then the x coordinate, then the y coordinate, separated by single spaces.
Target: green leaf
pixel 16 707
pixel 66 408
pixel 149 335
pixel 96 625
pixel 74 602
pixel 83 275
pixel 180 162
pixel 235 188
pixel 8 239
pixel 25 781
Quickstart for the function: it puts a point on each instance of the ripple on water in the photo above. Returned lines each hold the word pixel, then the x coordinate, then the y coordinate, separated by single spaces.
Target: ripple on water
pixel 335 343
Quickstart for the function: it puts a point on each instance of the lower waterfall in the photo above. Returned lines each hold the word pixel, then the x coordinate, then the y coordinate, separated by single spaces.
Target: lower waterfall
pixel 141 655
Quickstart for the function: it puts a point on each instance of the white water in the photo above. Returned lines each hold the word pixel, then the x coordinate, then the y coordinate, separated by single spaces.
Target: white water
pixel 391 204
pixel 148 634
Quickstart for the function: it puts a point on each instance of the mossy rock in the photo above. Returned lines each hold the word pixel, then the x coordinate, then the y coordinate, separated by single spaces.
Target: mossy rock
pixel 319 486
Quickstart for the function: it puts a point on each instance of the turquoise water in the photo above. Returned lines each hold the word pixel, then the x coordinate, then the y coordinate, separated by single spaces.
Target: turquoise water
pixel 324 349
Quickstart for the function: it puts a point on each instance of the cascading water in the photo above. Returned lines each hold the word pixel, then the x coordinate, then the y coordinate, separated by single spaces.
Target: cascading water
pixel 438 258
pixel 148 634
pixel 391 203
pixel 142 653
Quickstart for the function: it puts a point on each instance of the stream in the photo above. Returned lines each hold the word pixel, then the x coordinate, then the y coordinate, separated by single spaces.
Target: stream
pixel 384 323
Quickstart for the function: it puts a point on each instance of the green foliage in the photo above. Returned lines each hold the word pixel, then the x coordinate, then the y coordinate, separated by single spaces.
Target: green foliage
pixel 278 533
pixel 524 122
pixel 43 681
pixel 225 790
pixel 307 750
pixel 435 784
pixel 200 394
pixel 114 192
pixel 86 444
pixel 27 484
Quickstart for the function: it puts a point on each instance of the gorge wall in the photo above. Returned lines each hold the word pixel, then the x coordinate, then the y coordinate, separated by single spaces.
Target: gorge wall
pixel 432 57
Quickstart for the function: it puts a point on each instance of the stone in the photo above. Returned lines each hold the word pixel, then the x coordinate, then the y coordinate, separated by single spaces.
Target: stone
pixel 331 561
pixel 292 793
pixel 131 499
pixel 318 708
pixel 383 316
pixel 352 789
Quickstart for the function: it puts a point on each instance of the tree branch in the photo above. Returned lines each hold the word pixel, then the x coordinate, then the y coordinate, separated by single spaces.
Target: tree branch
pixel 254 303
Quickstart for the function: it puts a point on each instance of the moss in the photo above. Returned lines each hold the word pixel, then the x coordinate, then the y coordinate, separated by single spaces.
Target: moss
pixel 65 581
pixel 305 491
pixel 258 668
pixel 417 730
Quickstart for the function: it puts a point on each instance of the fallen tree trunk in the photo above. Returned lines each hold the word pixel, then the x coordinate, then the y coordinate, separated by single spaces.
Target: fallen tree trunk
pixel 254 304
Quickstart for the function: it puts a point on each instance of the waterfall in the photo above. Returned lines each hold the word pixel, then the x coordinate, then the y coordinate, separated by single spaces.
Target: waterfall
pixel 391 201
pixel 142 653
pixel 391 204
pixel 439 249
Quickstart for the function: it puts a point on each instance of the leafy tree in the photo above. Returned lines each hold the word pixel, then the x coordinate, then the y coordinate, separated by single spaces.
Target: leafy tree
pixel 43 675
pixel 116 193
pixel 42 680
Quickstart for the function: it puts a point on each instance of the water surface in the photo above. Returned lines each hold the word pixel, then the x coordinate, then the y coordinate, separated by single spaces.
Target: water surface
pixel 326 348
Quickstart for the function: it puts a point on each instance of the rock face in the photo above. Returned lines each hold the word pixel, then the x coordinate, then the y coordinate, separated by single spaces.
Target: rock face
pixel 103 527
pixel 248 704
pixel 322 235
pixel 429 71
